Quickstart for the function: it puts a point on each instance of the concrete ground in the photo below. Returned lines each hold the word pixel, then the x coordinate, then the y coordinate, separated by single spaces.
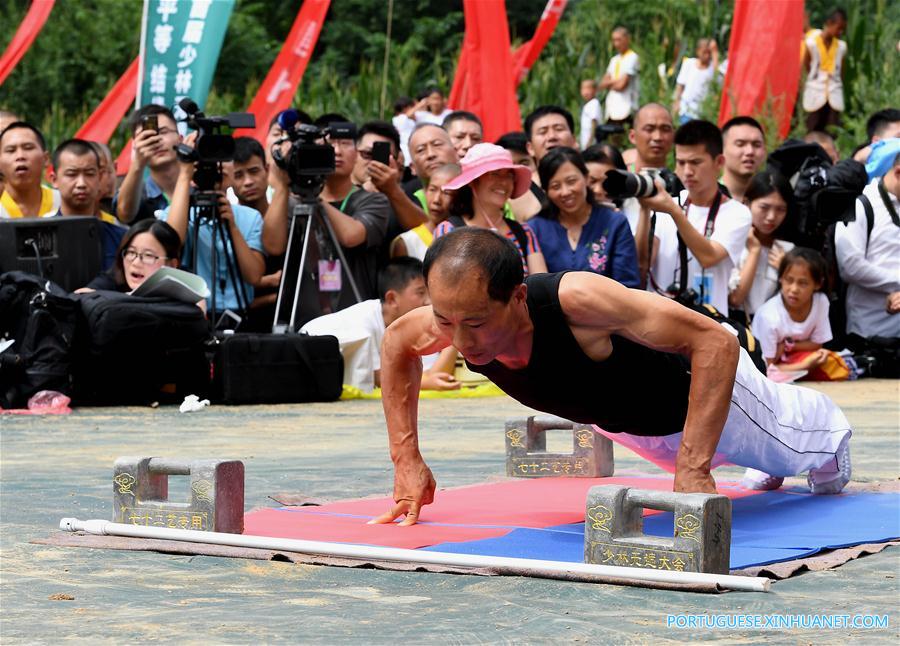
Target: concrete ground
pixel 61 466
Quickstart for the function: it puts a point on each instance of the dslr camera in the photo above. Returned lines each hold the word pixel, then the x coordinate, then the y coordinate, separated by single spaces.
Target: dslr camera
pixel 622 184
pixel 212 147
pixel 309 161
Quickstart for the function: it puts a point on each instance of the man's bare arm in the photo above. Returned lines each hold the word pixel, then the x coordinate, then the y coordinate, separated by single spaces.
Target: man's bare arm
pixel 407 339
pixel 596 307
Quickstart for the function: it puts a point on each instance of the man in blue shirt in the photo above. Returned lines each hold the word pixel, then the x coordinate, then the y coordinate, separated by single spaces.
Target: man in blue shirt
pixel 245 227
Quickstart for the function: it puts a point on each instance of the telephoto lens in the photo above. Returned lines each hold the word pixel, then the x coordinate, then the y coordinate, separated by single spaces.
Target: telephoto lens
pixel 620 183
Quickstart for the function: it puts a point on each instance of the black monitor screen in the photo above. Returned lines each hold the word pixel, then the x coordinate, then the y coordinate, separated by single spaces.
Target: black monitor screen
pixel 66 250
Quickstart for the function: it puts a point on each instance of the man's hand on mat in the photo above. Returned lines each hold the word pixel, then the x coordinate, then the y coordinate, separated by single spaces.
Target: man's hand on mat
pixel 691 480
pixel 413 489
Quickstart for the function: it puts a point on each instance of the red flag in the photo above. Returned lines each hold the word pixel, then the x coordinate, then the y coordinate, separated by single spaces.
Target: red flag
pixel 526 55
pixel 106 117
pixel 763 74
pixel 488 87
pixel 26 33
pixel 277 91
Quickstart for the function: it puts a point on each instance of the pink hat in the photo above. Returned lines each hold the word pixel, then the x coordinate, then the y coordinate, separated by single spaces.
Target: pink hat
pixel 484 158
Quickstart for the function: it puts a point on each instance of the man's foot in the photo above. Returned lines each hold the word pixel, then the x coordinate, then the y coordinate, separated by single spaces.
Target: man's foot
pixel 760 481
pixel 831 482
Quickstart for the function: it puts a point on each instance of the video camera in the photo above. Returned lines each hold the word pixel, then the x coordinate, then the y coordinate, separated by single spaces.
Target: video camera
pixel 620 183
pixel 308 162
pixel 606 130
pixel 212 146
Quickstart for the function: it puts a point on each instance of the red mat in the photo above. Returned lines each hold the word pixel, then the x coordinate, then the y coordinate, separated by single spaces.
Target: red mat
pixel 461 514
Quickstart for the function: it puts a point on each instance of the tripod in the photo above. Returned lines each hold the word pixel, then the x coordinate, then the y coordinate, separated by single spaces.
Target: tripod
pixel 306 211
pixel 205 206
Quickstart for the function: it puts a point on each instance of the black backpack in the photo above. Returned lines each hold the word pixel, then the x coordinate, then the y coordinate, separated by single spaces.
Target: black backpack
pixel 40 317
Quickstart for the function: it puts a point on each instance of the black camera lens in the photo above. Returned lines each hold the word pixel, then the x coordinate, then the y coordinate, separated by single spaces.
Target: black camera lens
pixel 620 183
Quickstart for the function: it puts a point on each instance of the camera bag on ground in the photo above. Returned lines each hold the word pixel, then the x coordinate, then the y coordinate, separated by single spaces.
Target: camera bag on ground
pixel 40 317
pixel 277 369
pixel 138 350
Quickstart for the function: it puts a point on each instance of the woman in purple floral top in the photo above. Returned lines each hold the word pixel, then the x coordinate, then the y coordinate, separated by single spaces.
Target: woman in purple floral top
pixel 574 233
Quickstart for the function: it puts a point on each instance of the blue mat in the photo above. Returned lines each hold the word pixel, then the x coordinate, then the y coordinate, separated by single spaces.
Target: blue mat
pixel 767 528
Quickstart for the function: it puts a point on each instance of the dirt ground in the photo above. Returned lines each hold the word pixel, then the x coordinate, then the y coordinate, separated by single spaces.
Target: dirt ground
pixel 61 466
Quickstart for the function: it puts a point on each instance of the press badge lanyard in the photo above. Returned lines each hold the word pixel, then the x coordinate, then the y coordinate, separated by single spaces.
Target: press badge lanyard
pixel 330 270
pixel 707 233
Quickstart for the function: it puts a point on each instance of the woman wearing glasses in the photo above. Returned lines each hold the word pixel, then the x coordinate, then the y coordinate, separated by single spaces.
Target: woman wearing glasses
pixel 148 245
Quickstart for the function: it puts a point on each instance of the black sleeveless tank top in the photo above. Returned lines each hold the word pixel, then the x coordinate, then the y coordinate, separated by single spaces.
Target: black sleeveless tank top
pixel 635 390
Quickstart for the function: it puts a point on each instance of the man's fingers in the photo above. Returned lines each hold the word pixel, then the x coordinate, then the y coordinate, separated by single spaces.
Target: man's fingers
pixel 389 516
pixel 412 515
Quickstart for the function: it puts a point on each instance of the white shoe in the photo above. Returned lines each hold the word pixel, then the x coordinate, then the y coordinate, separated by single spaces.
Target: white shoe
pixel 831 482
pixel 760 480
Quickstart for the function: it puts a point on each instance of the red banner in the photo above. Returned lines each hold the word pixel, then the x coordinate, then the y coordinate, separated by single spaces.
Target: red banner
pixel 484 82
pixel 106 117
pixel 278 89
pixel 763 74
pixel 26 33
pixel 526 55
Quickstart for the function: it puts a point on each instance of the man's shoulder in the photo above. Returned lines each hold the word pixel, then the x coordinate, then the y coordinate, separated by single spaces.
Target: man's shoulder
pixel 736 210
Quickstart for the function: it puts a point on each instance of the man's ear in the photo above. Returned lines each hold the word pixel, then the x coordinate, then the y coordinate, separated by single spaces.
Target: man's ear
pixel 51 175
pixel 631 135
pixel 520 293
pixel 529 148
pixel 719 161
pixel 390 297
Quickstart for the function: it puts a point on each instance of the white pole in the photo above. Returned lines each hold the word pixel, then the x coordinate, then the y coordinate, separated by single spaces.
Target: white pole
pixel 367 552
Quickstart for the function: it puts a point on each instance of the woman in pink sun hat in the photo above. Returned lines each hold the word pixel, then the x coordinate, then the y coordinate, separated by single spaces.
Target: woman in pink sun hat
pixel 489 178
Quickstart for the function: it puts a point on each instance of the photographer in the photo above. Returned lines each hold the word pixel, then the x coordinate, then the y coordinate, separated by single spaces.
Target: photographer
pixel 359 221
pixel 245 227
pixel 155 137
pixel 709 231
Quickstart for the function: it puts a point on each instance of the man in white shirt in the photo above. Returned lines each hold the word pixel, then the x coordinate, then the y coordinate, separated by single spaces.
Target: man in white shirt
pixel 693 81
pixel 591 113
pixel 360 328
pixel 870 262
pixel 713 227
pixel 621 79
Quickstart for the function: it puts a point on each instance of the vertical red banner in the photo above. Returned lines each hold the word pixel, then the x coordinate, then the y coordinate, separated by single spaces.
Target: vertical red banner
pixel 763 72
pixel 488 85
pixel 526 55
pixel 26 33
pixel 106 117
pixel 278 89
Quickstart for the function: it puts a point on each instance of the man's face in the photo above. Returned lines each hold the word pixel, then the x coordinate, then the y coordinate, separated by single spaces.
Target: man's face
pixel 364 156
pixel 463 135
pixel 478 326
pixel 22 160
pixel 430 149
pixel 523 159
pixel 411 297
pixel 835 28
pixel 744 149
pixel 620 41
pixel 704 53
pixel 249 179
pixel 653 136
pixel 107 176
pixel 344 156
pixel 435 102
pixel 696 168
pixel 438 201
pixel 890 131
pixel 78 180
pixel 168 130
pixel 548 132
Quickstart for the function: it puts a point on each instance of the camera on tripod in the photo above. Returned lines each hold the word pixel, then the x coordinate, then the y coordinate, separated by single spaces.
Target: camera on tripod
pixel 211 148
pixel 309 161
pixel 620 183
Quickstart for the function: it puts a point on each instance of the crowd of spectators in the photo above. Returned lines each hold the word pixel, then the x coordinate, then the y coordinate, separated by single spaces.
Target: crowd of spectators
pixel 723 238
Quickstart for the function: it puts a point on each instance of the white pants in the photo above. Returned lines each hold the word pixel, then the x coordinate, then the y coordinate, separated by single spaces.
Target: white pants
pixel 781 429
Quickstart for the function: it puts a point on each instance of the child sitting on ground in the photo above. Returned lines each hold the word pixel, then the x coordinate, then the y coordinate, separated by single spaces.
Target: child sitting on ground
pixel 792 325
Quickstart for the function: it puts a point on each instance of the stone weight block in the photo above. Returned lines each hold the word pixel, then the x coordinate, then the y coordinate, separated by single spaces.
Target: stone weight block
pixel 613 530
pixel 141 491
pixel 527 457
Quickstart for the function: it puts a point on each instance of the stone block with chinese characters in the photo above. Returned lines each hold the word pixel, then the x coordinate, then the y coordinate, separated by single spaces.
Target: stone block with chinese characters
pixel 613 530
pixel 141 492
pixel 527 457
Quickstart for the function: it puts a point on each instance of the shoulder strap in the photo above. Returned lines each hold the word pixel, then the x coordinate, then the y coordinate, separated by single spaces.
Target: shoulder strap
pixel 456 221
pixel 870 217
pixel 522 237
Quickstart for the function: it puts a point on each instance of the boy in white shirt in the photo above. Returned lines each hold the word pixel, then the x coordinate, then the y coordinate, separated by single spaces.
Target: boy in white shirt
pixel 713 227
pixel 621 79
pixel 591 113
pixel 693 81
